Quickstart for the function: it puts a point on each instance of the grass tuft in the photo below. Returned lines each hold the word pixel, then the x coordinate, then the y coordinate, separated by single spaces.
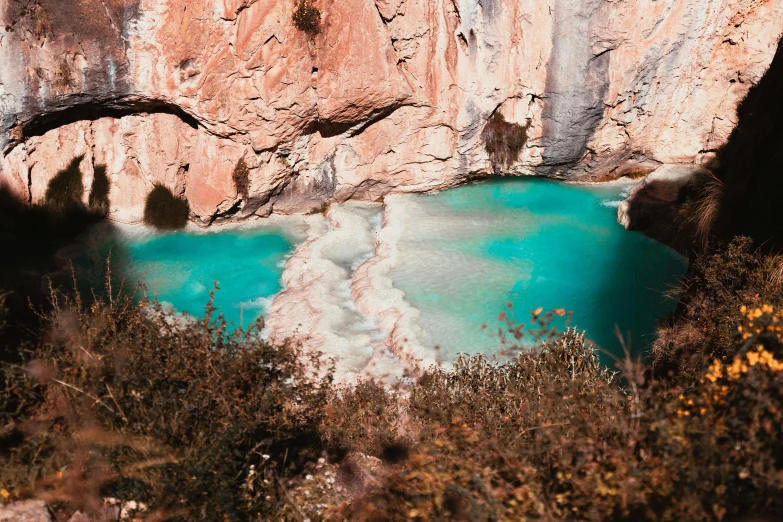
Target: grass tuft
pixel 241 177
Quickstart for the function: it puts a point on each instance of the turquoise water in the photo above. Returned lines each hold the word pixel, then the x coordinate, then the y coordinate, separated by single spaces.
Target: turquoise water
pixel 465 253
pixel 181 269
pixel 462 255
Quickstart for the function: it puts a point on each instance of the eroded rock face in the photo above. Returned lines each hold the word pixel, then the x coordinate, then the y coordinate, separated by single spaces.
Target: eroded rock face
pixel 392 95
pixel 653 205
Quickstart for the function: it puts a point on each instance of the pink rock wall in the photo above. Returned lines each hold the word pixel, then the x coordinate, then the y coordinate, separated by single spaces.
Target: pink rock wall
pixel 391 96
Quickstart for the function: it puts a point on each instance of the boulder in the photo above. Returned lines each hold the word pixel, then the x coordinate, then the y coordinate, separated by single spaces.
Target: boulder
pixel 653 205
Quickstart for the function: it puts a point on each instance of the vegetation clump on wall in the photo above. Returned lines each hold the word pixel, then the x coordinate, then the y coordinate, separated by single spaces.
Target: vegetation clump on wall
pixel 504 141
pixel 307 17
pixel 241 177
pixel 164 211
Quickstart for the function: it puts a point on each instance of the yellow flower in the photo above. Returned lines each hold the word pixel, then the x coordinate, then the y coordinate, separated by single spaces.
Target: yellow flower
pixel 715 372
pixel 736 369
pixel 5 494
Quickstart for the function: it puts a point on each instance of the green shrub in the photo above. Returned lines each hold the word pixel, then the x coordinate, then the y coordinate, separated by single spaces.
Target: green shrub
pixel 307 17
pixel 504 141
pixel 241 177
pixel 99 192
pixel 165 211
pixel 66 189
pixel 197 423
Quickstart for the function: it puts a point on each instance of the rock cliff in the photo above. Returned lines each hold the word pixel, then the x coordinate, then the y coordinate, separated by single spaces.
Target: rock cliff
pixel 392 95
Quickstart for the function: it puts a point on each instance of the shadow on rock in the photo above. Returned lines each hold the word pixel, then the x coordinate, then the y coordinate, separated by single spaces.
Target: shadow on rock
pixel 41 245
pixel 744 198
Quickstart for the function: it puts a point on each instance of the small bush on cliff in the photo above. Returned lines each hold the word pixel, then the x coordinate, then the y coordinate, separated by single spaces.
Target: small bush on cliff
pixel 241 178
pixel 307 17
pixel 66 189
pixel 165 211
pixel 504 141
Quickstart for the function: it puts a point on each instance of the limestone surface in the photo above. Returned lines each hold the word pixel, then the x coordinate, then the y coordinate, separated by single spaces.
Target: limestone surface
pixel 26 511
pixel 390 96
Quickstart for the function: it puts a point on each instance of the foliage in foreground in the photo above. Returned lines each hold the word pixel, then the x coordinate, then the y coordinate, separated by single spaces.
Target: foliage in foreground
pixel 123 401
pixel 552 436
pixel 120 401
pixel 718 286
